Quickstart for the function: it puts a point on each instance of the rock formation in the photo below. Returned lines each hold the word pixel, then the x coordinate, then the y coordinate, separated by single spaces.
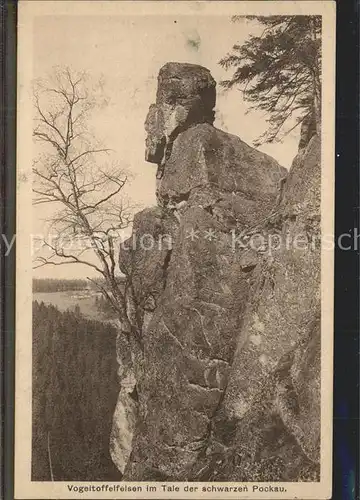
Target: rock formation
pixel 225 378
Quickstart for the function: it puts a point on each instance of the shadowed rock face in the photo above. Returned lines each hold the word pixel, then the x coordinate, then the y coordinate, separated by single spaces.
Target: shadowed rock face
pixel 227 380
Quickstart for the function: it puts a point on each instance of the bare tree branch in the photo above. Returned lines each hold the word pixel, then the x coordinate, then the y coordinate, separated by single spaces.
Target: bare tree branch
pixel 72 175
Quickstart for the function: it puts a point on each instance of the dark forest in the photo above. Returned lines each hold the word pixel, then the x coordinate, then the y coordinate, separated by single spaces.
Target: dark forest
pixel 75 389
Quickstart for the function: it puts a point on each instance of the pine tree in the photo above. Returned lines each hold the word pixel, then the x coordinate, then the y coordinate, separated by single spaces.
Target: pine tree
pixel 279 72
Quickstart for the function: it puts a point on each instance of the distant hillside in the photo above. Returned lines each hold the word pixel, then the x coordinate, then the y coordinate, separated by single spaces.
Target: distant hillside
pixel 50 285
pixel 56 285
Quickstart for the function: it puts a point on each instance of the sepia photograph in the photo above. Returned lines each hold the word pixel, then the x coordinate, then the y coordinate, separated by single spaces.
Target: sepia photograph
pixel 174 249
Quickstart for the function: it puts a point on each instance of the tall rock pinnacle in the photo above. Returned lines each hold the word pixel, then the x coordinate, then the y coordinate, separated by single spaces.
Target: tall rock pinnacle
pixel 219 318
pixel 185 95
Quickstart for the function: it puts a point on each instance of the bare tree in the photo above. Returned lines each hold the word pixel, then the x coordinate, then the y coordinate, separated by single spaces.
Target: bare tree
pixel 75 173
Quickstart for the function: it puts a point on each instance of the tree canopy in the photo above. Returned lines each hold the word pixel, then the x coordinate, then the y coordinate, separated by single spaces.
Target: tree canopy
pixel 75 389
pixel 279 72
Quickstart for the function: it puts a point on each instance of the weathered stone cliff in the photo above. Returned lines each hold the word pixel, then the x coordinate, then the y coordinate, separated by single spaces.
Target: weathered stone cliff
pixel 224 382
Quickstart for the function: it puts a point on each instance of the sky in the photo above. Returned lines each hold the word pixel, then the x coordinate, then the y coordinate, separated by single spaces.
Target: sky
pixel 127 51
